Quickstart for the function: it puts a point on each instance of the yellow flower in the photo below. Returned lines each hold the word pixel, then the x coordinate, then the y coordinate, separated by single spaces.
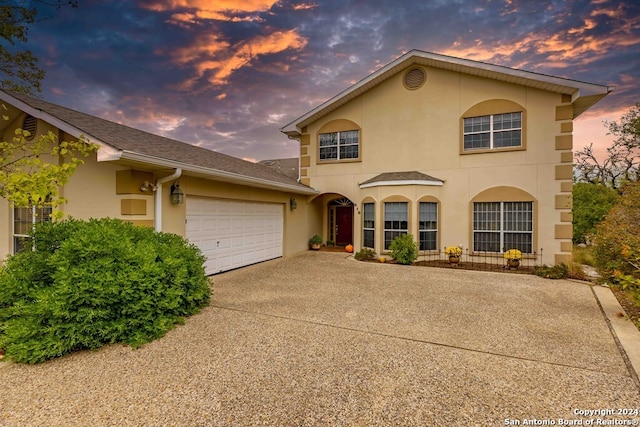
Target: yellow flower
pixel 453 251
pixel 513 254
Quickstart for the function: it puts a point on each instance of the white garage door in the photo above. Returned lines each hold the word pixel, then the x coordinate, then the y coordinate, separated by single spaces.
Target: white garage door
pixel 234 233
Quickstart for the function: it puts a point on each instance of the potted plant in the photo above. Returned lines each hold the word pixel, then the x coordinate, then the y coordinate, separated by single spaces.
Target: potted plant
pixel 454 253
pixel 513 257
pixel 315 242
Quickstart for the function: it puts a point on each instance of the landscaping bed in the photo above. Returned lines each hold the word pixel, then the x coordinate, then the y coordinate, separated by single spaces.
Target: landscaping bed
pixel 477 266
pixel 630 304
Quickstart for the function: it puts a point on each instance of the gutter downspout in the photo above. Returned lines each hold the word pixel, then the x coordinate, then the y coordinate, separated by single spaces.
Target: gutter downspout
pixel 157 196
pixel 294 138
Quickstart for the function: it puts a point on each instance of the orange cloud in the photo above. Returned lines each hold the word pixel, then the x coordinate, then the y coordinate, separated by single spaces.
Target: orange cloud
pixel 222 10
pixel 581 41
pixel 562 49
pixel 219 59
pixel 304 6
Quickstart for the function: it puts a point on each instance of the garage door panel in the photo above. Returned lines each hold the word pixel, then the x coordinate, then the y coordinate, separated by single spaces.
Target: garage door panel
pixel 233 233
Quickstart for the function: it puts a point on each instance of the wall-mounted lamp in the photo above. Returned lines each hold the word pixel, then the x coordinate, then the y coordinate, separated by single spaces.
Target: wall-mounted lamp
pixel 177 196
pixel 293 204
pixel 147 187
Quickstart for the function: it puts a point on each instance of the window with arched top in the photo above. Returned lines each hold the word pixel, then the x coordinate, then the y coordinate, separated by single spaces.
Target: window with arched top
pixel 428 224
pixel 493 125
pixel 396 219
pixel 504 218
pixel 339 140
pixel 369 223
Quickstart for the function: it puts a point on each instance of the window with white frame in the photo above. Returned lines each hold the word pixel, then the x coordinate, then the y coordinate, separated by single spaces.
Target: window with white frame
pixel 428 226
pixel 368 225
pixel 493 131
pixel 396 221
pixel 24 219
pixel 500 226
pixel 344 145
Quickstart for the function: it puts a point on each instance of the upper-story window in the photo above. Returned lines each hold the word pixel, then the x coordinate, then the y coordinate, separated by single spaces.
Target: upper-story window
pixel 493 131
pixel 344 145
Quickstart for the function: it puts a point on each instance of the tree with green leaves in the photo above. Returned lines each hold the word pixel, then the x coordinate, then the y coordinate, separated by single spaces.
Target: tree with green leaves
pixel 617 249
pixel 32 169
pixel 591 203
pixel 19 66
pixel 622 161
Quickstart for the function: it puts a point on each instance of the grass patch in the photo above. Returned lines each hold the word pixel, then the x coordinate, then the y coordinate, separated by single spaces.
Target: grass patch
pixel 584 255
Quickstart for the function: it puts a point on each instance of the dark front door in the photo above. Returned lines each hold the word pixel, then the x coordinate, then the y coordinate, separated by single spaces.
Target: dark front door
pixel 344 225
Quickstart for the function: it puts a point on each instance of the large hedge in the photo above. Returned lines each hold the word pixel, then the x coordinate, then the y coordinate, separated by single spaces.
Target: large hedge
pixel 617 241
pixel 90 283
pixel 591 202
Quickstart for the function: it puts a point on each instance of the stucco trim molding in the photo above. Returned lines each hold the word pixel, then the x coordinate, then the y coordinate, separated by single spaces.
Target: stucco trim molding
pixel 408 182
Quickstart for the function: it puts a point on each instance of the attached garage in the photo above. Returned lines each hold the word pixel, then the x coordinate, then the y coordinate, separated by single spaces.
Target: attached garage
pixel 234 233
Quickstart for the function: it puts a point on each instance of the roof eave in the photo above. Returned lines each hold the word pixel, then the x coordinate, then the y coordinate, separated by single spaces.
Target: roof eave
pixel 105 152
pixel 217 174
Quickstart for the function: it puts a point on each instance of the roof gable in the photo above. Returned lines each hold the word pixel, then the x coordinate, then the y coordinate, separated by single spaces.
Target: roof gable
pixel 583 94
pixel 119 142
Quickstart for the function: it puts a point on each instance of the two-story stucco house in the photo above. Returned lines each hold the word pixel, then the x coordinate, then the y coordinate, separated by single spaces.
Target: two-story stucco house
pixel 452 151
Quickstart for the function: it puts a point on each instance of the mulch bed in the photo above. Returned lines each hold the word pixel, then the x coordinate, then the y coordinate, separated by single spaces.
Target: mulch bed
pixel 477 266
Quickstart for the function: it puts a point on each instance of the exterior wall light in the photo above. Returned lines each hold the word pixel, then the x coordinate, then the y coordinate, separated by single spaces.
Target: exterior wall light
pixel 147 187
pixel 177 196
pixel 293 204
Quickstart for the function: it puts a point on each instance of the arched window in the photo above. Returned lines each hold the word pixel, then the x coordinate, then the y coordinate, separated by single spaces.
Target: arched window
pixel 339 140
pixel 428 224
pixel 493 125
pixel 504 218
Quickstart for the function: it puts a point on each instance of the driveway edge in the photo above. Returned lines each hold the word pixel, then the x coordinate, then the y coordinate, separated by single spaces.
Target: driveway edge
pixel 626 334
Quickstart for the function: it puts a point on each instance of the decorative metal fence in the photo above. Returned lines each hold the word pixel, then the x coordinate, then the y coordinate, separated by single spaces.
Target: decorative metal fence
pixel 483 261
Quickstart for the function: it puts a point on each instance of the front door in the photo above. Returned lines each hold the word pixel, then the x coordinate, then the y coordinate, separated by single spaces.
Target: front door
pixel 344 225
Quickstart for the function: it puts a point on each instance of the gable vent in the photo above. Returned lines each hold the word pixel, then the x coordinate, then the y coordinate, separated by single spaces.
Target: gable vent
pixel 414 78
pixel 30 124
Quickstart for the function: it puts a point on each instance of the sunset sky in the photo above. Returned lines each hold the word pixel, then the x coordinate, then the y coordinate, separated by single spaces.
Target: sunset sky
pixel 226 75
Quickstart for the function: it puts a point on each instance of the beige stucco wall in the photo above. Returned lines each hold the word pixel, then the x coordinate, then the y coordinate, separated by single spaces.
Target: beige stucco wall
pixel 404 130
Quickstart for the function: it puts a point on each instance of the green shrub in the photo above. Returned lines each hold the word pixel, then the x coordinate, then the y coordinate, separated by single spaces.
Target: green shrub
pixel 90 283
pixel 591 202
pixel 404 249
pixel 365 254
pixel 558 271
pixel 617 242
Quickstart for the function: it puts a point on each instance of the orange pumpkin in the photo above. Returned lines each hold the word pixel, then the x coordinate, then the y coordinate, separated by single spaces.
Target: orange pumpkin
pixel 349 248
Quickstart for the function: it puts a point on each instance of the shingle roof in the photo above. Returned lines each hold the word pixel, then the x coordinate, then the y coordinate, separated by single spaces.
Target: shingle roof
pixel 401 178
pixel 288 166
pixel 131 140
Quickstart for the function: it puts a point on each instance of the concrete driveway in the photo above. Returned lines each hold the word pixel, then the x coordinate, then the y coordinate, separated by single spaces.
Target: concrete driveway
pixel 319 339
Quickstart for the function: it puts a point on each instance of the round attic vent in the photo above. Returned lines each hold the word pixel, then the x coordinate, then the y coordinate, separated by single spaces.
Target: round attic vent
pixel 30 124
pixel 414 78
